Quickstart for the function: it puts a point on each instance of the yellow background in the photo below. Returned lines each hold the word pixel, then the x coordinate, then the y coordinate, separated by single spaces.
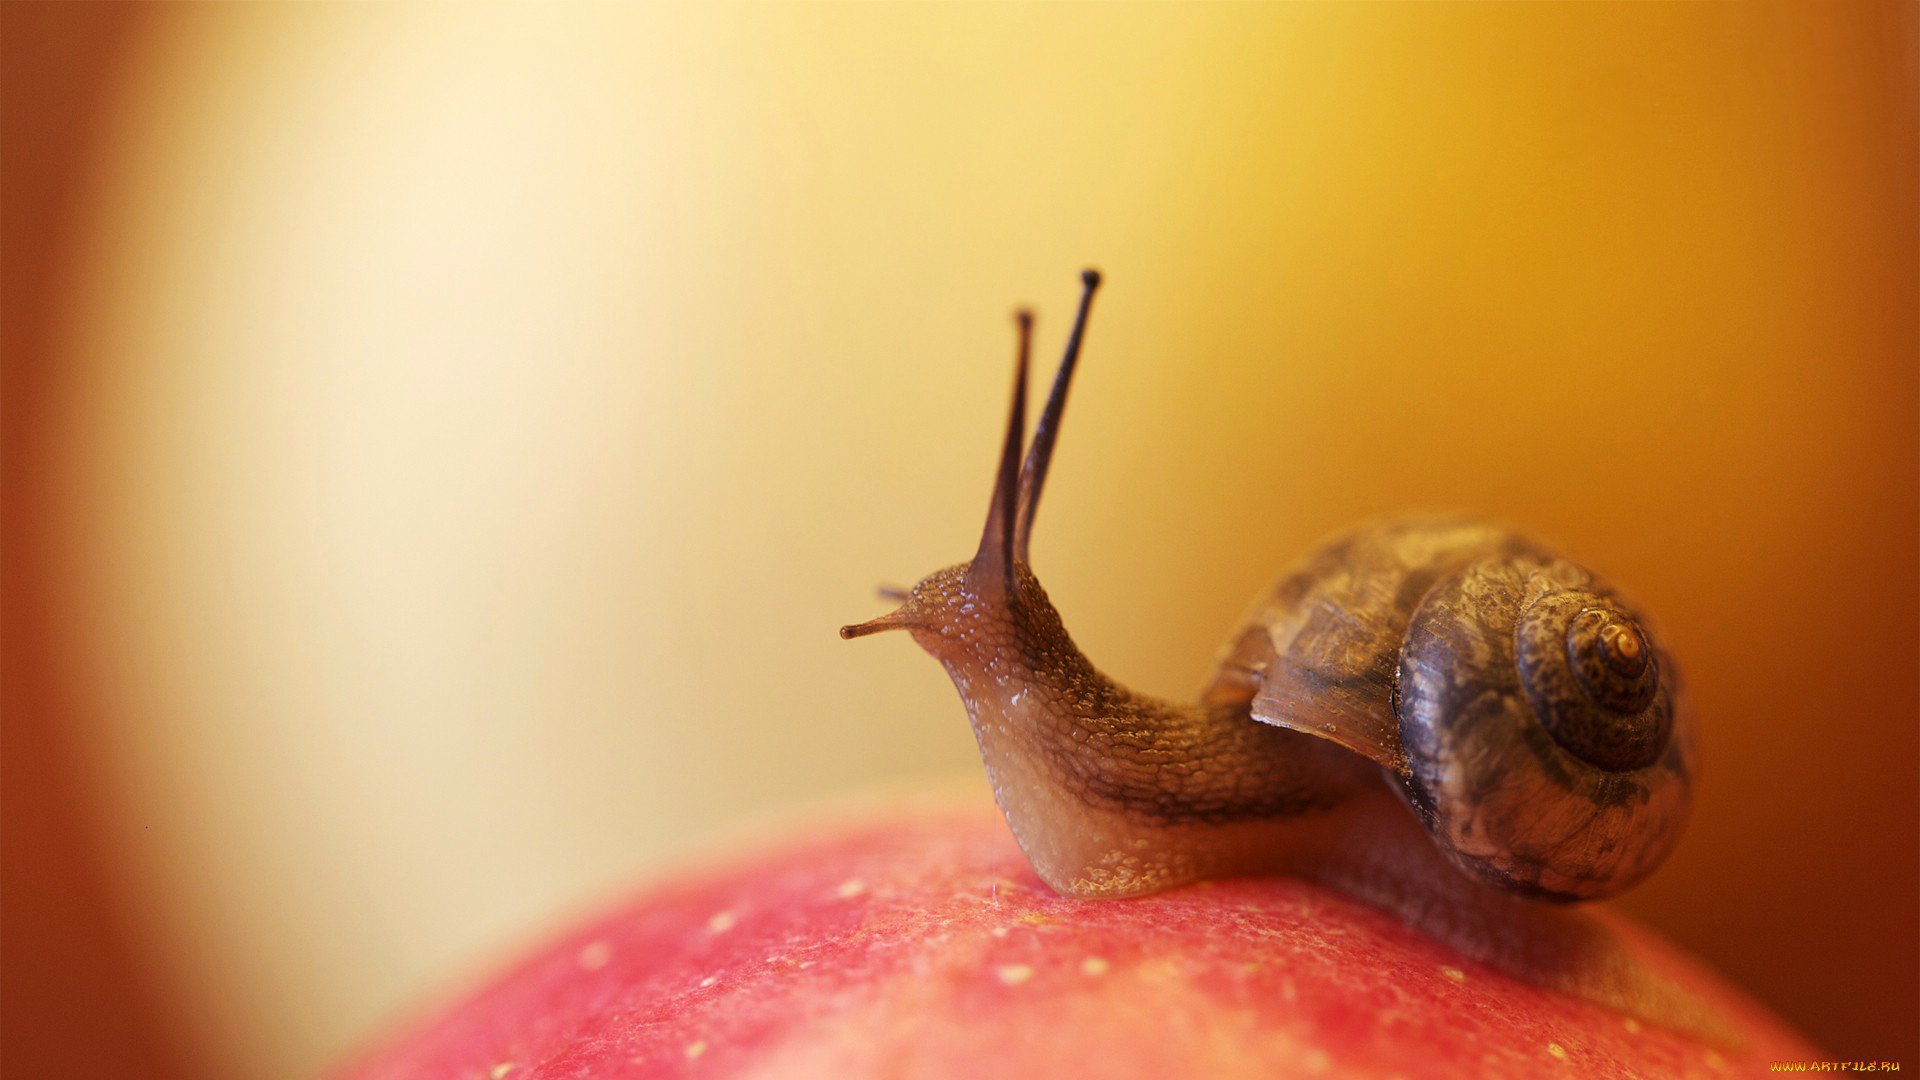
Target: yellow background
pixel 470 426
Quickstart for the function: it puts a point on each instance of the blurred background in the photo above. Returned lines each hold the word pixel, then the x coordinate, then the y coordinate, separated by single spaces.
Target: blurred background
pixel 442 441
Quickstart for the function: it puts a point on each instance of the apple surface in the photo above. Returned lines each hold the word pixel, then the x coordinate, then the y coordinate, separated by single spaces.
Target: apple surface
pixel 912 940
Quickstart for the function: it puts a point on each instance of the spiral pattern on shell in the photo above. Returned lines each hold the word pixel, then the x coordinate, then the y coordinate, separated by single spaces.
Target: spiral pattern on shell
pixel 1537 717
pixel 1592 681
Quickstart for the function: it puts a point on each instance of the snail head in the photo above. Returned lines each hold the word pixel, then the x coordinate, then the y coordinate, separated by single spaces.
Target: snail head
pixel 974 604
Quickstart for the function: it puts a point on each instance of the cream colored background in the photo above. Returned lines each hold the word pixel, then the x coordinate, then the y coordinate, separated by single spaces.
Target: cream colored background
pixel 486 415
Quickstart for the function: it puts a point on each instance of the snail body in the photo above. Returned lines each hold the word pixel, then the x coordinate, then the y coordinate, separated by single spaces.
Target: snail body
pixel 1508 698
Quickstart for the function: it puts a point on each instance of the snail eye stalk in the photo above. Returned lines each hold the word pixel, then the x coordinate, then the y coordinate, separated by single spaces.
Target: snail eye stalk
pixel 1033 477
pixel 991 572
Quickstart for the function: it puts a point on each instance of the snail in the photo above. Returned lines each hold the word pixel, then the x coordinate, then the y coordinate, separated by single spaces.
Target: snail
pixel 1416 699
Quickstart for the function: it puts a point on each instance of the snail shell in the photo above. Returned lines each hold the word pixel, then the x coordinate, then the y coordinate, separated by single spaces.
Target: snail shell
pixel 1522 708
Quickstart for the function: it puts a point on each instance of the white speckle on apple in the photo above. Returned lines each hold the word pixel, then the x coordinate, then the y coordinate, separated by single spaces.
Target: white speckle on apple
pixel 1093 965
pixel 696 1048
pixel 850 888
pixel 593 957
pixel 1557 1051
pixel 501 1070
pixel 709 980
pixel 1454 974
pixel 722 922
pixel 1015 974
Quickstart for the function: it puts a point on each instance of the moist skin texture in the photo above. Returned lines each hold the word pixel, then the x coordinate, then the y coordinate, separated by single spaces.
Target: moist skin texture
pixel 1109 792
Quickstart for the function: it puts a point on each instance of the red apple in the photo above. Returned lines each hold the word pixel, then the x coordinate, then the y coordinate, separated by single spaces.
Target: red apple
pixel 920 944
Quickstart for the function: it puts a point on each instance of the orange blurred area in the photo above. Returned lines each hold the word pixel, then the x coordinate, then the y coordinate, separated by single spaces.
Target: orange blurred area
pixel 441 442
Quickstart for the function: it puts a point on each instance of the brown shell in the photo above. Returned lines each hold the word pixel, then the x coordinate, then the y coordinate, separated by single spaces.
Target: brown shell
pixel 1320 653
pixel 1522 706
